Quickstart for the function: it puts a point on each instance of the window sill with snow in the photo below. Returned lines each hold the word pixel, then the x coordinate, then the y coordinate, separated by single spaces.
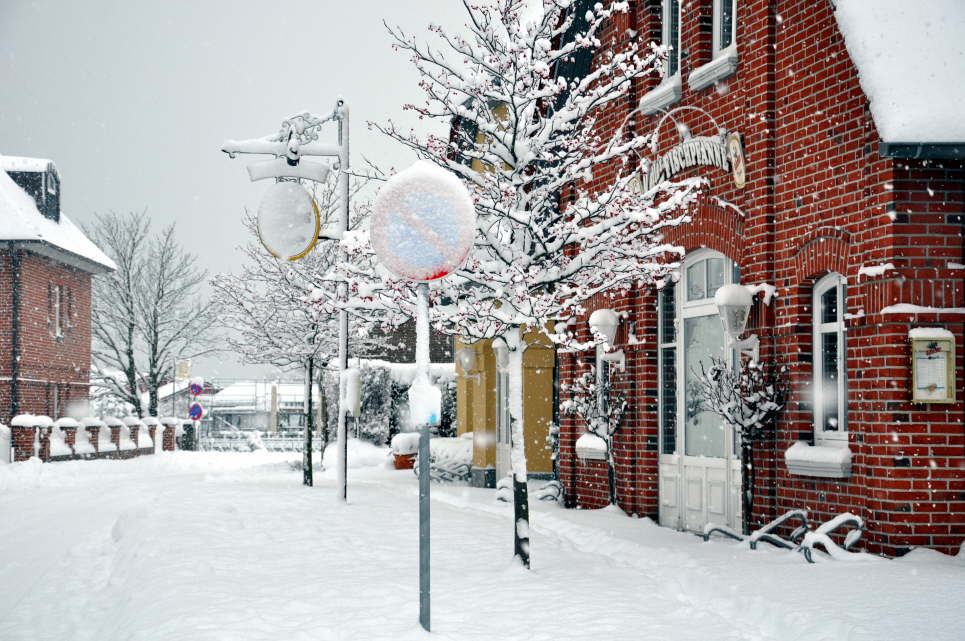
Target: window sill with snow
pixel 826 461
pixel 725 64
pixel 662 96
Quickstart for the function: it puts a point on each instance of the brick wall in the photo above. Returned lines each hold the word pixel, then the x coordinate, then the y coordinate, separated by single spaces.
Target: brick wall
pixel 819 198
pixel 54 371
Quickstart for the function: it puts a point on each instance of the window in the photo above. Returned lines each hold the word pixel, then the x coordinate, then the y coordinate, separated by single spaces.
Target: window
pixel 667 370
pixel 723 61
pixel 503 417
pixel 671 35
pixel 689 333
pixel 830 359
pixel 725 25
pixel 55 310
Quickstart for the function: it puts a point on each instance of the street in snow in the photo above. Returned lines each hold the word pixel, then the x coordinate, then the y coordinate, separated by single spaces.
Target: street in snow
pixel 217 546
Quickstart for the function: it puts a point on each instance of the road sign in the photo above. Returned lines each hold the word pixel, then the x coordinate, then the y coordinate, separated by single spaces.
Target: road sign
pixel 182 368
pixel 423 223
pixel 196 388
pixel 288 221
pixel 195 412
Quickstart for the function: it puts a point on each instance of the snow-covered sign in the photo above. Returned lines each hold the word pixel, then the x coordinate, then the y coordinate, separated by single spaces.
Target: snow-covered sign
pixel 195 411
pixel 288 221
pixel 423 223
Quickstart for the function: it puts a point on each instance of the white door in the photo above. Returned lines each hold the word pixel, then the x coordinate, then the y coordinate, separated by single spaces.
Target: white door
pixel 503 426
pixel 699 475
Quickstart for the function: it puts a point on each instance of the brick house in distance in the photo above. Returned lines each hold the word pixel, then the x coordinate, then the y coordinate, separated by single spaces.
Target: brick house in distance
pixel 46 265
pixel 832 140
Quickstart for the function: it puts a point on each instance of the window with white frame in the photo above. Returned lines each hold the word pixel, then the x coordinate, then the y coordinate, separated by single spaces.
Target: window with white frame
pixel 667 369
pixel 725 25
pixel 503 416
pixel 830 359
pixel 671 35
pixel 55 311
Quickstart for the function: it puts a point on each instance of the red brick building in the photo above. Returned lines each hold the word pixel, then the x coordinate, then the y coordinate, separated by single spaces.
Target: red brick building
pixel 848 218
pixel 46 264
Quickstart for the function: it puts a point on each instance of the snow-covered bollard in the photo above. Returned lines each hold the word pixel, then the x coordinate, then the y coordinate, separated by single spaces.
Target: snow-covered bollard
pixel 128 439
pixel 405 446
pixel 109 436
pixel 44 426
pixel 22 436
pixel 169 436
pixel 147 435
pixel 63 437
pixel 85 440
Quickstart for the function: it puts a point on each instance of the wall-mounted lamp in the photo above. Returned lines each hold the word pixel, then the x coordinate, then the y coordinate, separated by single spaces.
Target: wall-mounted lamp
pixel 467 361
pixel 734 306
pixel 501 350
pixel 604 322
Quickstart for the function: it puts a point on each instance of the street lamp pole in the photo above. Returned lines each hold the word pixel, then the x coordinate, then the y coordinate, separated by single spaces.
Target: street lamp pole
pixel 341 111
pixel 288 149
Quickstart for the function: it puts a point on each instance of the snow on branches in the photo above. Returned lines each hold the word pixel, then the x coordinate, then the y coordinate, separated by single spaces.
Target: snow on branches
pixel 747 397
pixel 526 138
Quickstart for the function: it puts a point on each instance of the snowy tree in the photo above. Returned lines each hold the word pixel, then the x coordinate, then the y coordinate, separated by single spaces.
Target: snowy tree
pixel 149 311
pixel 599 407
pixel 268 308
pixel 747 397
pixel 525 140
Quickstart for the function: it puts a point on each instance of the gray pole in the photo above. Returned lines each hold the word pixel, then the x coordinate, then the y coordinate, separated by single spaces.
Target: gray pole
pixel 422 329
pixel 343 216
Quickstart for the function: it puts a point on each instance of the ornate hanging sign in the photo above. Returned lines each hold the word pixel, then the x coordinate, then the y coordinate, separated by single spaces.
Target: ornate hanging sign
pixel 727 154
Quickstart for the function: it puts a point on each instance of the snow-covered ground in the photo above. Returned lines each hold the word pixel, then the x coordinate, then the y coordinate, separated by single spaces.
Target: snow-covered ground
pixel 196 546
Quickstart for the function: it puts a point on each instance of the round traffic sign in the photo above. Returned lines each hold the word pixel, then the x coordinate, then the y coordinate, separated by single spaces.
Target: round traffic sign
pixel 423 223
pixel 195 412
pixel 288 221
pixel 196 389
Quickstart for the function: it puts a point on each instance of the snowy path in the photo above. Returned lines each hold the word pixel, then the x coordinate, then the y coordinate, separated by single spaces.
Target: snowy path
pixel 230 546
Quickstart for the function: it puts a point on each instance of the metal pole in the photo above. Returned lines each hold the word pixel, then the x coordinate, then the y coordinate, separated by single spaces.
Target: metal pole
pixel 343 215
pixel 422 364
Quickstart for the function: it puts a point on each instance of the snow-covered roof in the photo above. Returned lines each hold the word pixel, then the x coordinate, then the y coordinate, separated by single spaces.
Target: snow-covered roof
pixel 23 222
pixel 911 61
pixel 22 163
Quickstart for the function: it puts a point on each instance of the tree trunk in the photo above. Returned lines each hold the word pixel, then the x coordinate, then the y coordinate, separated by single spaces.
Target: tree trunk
pixel 307 476
pixel 747 485
pixel 322 419
pixel 517 347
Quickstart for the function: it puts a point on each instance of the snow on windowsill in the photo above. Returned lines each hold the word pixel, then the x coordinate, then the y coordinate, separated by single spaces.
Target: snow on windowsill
pixel 725 64
pixel 826 461
pixel 662 96
pixel 908 308
pixel 591 447
pixel 873 271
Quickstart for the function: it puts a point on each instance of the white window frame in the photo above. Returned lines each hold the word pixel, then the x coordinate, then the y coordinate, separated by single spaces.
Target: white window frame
pixel 668 92
pixel 57 311
pixel 718 6
pixel 503 415
pixel 666 37
pixel 684 308
pixel 819 329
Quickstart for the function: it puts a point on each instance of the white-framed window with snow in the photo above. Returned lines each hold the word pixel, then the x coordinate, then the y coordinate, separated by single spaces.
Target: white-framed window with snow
pixel 668 92
pixel 723 60
pixel 503 417
pixel 670 37
pixel 55 310
pixel 725 25
pixel 690 334
pixel 830 360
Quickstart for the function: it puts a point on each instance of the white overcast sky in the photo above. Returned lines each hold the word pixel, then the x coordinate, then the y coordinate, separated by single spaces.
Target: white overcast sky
pixel 132 99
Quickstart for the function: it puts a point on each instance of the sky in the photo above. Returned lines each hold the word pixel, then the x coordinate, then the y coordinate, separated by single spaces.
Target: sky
pixel 132 99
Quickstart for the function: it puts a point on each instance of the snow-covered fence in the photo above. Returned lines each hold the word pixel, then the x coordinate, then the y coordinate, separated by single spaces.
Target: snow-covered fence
pixel 68 438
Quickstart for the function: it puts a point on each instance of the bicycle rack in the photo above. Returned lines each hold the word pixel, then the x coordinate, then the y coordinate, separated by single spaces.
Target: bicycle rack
pixel 767 535
pixel 822 535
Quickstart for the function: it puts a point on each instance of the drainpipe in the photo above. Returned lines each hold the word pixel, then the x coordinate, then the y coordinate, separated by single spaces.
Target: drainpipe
pixel 14 329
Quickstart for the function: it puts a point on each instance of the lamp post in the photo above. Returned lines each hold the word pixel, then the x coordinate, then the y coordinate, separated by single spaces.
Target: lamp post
pixel 298 137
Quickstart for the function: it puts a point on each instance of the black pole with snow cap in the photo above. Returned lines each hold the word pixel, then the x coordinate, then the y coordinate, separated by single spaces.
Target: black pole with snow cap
pixel 423 226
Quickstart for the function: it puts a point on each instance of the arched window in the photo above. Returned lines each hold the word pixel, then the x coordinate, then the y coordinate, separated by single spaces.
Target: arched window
pixel 830 359
pixel 690 333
